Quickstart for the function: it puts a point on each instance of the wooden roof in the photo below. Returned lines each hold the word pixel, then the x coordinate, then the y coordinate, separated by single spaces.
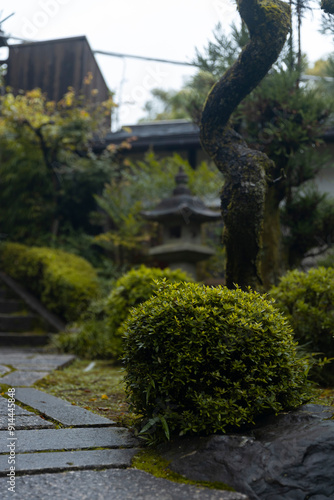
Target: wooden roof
pixel 161 135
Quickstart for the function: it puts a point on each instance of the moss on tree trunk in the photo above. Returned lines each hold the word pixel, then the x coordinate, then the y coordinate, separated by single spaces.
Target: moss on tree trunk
pixel 245 170
pixel 271 253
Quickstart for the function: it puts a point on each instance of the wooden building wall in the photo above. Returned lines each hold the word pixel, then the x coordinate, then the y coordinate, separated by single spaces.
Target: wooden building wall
pixel 53 66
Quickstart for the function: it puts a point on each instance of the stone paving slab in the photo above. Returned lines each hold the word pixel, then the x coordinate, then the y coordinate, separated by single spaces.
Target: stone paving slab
pixel 26 422
pixel 29 358
pixel 29 463
pixel 22 378
pixel 17 409
pixel 60 410
pixel 24 419
pixel 9 358
pixel 113 484
pixel 43 361
pixel 69 439
pixel 4 369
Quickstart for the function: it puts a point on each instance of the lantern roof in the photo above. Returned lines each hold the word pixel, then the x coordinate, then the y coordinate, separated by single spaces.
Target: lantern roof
pixel 182 205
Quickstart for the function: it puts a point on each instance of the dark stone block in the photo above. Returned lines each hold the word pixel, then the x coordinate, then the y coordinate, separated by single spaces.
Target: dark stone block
pixel 290 456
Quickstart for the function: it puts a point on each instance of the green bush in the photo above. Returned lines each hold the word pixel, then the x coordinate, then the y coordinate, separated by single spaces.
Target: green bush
pixel 205 360
pixel 327 260
pixel 88 339
pixel 64 283
pixel 98 333
pixel 307 300
pixel 131 289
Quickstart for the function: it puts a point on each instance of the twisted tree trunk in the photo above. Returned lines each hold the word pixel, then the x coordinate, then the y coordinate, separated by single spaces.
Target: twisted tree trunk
pixel 246 171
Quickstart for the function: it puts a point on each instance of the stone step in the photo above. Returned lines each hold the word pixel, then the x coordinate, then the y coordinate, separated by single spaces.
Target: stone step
pixel 24 338
pixel 11 289
pixel 37 440
pixel 17 323
pixel 8 306
pixel 6 292
pixel 28 463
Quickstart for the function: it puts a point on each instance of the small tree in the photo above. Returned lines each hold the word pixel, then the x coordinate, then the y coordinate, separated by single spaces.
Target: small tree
pixel 46 148
pixel 285 121
pixel 245 170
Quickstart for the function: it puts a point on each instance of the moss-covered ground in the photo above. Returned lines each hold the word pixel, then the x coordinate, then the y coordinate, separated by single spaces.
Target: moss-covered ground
pixel 100 389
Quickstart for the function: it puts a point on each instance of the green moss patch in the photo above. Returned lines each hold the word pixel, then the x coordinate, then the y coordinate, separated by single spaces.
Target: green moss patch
pixel 100 389
pixel 150 461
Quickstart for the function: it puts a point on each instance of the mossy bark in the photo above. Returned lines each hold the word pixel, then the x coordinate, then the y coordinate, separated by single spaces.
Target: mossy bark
pixel 245 170
pixel 271 252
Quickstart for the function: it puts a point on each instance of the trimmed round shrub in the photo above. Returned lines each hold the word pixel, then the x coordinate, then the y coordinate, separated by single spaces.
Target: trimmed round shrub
pixel 131 289
pixel 307 300
pixel 63 282
pixel 206 360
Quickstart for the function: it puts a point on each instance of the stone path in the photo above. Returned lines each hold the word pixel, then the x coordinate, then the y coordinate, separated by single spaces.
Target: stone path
pixel 64 452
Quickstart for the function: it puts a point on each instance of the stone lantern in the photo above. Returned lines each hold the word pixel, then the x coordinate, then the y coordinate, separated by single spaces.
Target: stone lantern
pixel 181 216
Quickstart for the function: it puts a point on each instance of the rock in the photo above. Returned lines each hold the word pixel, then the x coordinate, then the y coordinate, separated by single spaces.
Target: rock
pixel 290 456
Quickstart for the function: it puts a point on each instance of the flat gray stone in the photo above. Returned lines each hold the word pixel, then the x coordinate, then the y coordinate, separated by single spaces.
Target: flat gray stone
pixel 69 439
pixel 12 357
pixel 33 367
pixel 114 484
pixel 19 359
pixel 68 460
pixel 17 409
pixel 59 409
pixel 26 422
pixel 41 362
pixel 4 369
pixel 23 378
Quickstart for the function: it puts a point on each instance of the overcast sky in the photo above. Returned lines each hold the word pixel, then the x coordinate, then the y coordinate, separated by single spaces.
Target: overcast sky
pixel 150 28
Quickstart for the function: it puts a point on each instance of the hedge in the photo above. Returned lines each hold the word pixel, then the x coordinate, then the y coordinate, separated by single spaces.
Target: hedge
pixel 63 282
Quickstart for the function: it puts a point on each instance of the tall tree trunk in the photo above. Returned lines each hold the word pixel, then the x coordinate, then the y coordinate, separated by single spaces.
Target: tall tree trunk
pixel 271 254
pixel 243 196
